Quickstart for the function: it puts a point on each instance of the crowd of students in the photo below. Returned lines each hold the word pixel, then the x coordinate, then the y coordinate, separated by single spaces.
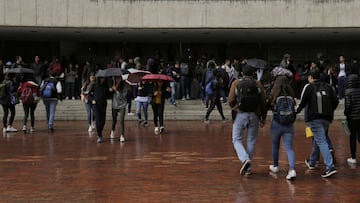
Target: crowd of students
pixel 216 84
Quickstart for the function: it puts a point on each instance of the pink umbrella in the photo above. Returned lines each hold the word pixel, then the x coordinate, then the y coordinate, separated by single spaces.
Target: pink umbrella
pixel 156 77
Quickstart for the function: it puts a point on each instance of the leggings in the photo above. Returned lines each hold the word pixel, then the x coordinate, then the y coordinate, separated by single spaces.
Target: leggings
pixel 29 108
pixel 158 110
pixel 100 117
pixel 6 108
pixel 354 127
pixel 122 119
pixel 215 102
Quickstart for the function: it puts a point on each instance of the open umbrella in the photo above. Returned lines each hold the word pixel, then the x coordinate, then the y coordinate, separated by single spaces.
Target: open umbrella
pixel 156 77
pixel 20 70
pixel 109 72
pixel 257 63
pixel 135 76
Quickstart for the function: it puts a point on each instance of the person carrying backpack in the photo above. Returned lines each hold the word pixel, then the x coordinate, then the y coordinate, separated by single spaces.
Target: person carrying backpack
pixel 50 90
pixel 29 92
pixel 215 86
pixel 282 124
pixel 247 99
pixel 320 101
pixel 8 102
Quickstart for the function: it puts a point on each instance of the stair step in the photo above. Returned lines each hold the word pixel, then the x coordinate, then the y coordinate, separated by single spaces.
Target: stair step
pixel 185 110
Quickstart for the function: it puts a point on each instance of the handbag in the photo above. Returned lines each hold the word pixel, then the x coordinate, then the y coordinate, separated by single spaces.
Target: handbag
pixel 308 132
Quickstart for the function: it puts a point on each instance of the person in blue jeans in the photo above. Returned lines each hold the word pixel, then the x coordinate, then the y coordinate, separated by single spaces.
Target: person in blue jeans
pixel 51 101
pixel 86 98
pixel 142 101
pixel 282 88
pixel 318 116
pixel 246 120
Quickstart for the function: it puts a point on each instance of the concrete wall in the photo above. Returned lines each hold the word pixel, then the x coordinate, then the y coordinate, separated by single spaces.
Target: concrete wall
pixel 180 13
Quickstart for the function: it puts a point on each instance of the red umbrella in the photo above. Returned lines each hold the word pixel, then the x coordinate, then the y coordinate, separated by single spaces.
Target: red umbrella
pixel 156 77
pixel 135 76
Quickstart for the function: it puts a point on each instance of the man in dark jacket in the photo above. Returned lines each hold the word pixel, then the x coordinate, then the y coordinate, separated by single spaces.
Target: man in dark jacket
pixel 319 112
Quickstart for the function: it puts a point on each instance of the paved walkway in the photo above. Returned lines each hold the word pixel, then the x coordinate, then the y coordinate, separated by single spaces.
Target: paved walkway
pixel 190 162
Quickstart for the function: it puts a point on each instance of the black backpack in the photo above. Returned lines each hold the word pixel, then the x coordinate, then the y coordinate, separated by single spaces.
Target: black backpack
pixel 284 110
pixel 323 99
pixel 248 95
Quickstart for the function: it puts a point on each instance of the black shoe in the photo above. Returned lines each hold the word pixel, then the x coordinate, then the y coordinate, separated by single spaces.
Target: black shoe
pixel 245 167
pixel 329 172
pixel 100 140
pixel 51 130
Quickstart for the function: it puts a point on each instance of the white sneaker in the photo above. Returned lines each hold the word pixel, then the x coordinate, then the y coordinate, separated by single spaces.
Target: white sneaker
pixel 156 130
pixel 130 114
pixel 24 128
pixel 93 126
pixel 122 138
pixel 274 169
pixel 11 129
pixel 291 175
pixel 351 161
pixel 32 129
pixel 112 135
pixel 90 129
pixel 4 130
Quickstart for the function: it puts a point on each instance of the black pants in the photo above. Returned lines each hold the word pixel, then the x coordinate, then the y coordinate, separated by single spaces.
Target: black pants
pixel 158 110
pixel 6 108
pixel 354 127
pixel 29 108
pixel 214 102
pixel 100 117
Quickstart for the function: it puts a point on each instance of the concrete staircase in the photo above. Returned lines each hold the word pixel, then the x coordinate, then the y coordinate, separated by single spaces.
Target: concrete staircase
pixel 185 110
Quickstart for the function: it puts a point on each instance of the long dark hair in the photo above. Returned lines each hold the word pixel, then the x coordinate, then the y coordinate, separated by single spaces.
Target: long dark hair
pixel 120 85
pixel 281 87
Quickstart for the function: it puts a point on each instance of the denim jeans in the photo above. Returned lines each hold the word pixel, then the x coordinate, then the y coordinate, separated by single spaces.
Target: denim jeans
pixel 50 107
pixel 341 86
pixel 287 133
pixel 90 113
pixel 144 106
pixel 173 86
pixel 249 121
pixel 319 128
pixel 185 86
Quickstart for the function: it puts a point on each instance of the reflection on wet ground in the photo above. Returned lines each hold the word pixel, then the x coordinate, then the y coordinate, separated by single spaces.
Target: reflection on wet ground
pixel 190 162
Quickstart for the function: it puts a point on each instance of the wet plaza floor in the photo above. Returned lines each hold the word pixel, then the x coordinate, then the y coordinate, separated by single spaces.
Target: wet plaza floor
pixel 190 162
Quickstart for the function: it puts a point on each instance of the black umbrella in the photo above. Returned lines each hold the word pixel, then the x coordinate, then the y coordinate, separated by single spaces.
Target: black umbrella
pixel 20 70
pixel 257 63
pixel 109 72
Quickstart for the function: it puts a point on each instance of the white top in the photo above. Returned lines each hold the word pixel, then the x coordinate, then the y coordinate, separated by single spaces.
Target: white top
pixel 342 72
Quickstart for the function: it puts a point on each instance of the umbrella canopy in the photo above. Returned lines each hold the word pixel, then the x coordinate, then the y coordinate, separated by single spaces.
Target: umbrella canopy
pixel 20 70
pixel 257 63
pixel 136 76
pixel 156 77
pixel 109 72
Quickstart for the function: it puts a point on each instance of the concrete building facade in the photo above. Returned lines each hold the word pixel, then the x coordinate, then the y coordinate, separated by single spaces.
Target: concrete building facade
pixel 80 29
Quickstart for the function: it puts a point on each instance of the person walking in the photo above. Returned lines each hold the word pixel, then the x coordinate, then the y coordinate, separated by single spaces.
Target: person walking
pixel 320 101
pixel 160 92
pixel 30 96
pixel 282 124
pixel 8 102
pixel 352 111
pixel 142 101
pixel 51 90
pixel 119 101
pixel 99 93
pixel 86 97
pixel 247 99
pixel 216 87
